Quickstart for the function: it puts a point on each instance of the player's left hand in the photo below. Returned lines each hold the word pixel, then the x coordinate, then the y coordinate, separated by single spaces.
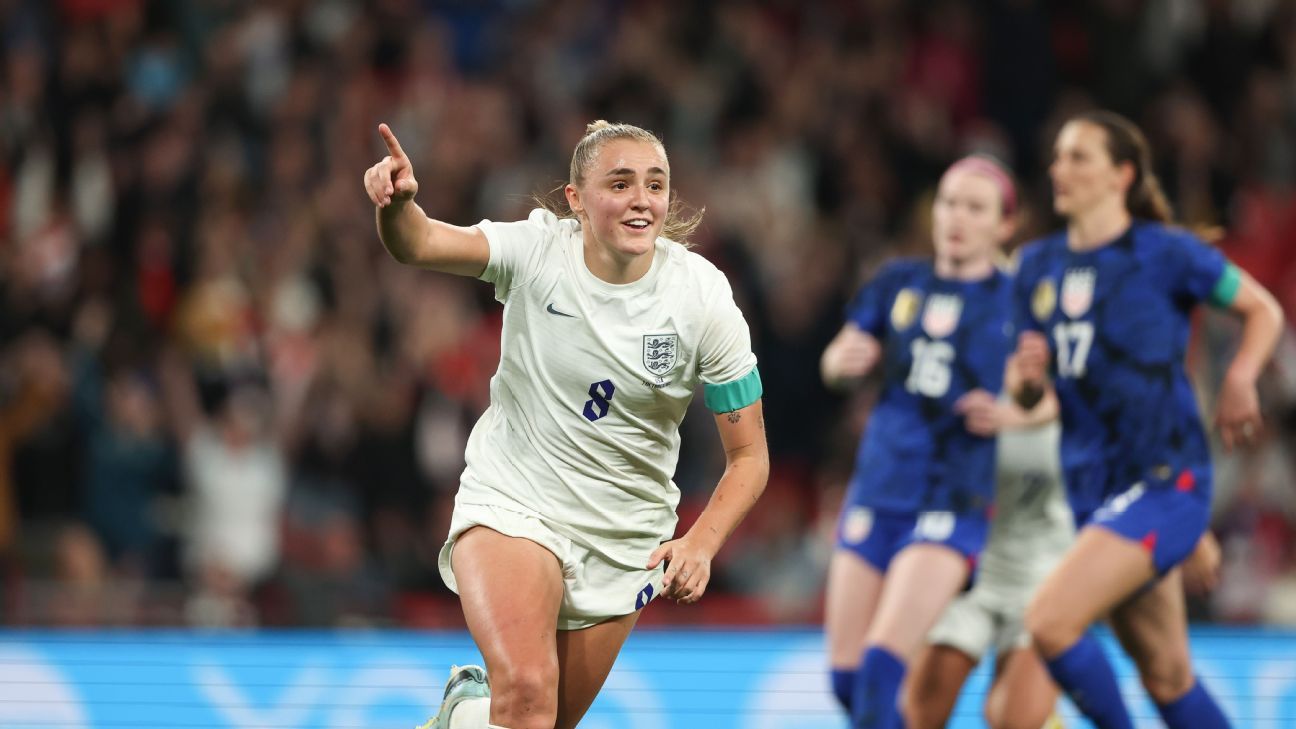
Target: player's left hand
pixel 980 411
pixel 688 570
pixel 1237 412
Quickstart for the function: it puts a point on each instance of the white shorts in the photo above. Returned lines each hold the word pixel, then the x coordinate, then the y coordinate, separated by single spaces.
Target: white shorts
pixel 594 589
pixel 973 624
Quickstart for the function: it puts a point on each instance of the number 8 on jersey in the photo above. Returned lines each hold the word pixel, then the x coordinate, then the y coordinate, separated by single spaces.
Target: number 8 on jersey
pixel 600 401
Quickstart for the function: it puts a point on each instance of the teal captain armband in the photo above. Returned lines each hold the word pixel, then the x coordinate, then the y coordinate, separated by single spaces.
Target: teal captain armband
pixel 736 395
pixel 1226 289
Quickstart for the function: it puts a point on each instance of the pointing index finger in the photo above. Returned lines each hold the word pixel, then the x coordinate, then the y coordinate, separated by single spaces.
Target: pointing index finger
pixel 393 146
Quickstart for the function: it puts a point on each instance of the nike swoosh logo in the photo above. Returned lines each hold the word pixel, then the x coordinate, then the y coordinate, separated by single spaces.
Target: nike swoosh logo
pixel 550 308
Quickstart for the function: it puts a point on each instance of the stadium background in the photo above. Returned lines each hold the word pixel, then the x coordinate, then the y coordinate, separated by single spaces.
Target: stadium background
pixel 222 405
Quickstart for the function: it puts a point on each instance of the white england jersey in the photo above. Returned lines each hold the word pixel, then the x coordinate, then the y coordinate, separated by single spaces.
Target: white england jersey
pixel 1032 524
pixel 593 381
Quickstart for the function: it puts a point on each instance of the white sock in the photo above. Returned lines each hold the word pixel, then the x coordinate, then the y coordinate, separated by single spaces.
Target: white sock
pixel 471 714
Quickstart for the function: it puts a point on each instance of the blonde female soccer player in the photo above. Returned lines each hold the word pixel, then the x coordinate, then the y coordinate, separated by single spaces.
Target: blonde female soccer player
pixel 563 521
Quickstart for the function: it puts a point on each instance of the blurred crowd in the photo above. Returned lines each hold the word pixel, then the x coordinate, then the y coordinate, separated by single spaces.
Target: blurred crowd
pixel 221 404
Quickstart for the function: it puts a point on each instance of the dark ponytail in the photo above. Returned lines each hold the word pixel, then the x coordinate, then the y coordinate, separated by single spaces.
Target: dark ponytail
pixel 1147 200
pixel 1126 143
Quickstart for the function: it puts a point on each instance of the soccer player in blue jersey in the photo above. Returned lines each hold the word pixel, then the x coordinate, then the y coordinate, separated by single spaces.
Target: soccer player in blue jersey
pixel 1103 309
pixel 1031 530
pixel 915 516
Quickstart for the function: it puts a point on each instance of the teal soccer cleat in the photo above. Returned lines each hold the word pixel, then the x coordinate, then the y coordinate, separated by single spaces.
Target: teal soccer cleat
pixel 465 682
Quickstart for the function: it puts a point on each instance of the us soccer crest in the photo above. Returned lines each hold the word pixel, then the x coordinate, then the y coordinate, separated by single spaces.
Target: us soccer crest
pixel 1044 300
pixel 905 309
pixel 941 315
pixel 660 352
pixel 1077 291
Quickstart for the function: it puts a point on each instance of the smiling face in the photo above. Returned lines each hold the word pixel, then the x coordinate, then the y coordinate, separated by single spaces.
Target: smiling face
pixel 1085 178
pixel 623 197
pixel 968 220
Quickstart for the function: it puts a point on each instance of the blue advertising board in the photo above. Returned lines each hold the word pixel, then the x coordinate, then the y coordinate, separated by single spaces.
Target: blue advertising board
pixel 676 679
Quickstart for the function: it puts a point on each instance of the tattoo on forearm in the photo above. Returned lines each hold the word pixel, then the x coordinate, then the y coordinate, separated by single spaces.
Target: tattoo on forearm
pixel 735 416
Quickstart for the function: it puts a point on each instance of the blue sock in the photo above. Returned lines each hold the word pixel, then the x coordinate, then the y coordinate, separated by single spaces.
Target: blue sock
pixel 843 685
pixel 877 686
pixel 1195 709
pixel 1084 673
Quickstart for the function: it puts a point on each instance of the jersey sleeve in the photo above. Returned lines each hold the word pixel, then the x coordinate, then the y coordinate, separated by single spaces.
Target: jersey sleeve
pixel 730 379
pixel 1201 272
pixel 872 304
pixel 515 250
pixel 1029 292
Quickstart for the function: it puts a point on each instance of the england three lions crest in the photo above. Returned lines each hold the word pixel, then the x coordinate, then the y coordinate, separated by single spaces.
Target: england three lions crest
pixel 660 352
pixel 1078 291
pixel 941 315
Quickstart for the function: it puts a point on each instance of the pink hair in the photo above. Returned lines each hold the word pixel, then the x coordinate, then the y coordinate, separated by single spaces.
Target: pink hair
pixel 989 167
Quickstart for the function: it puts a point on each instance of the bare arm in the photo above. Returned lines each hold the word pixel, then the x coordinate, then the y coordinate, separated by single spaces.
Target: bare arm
pixel 849 357
pixel 746 469
pixel 1026 373
pixel 1237 412
pixel 985 415
pixel 407 233
pixel 1045 411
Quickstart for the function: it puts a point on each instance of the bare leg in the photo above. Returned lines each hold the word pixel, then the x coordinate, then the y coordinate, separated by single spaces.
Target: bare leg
pixel 1153 629
pixel 854 586
pixel 517 637
pixel 933 685
pixel 1023 695
pixel 1099 572
pixel 920 583
pixel 585 658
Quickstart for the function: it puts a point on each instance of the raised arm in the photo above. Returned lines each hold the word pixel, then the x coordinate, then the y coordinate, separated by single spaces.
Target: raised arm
pixel 746 469
pixel 407 233
pixel 1237 411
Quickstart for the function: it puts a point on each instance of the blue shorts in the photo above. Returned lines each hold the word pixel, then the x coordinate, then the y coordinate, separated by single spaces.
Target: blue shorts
pixel 1167 517
pixel 878 536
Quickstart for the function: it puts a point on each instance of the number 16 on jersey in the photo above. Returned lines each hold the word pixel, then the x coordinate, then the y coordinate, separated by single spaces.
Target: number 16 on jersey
pixel 929 375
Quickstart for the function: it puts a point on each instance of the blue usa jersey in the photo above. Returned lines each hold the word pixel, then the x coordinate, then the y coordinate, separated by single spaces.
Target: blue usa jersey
pixel 1117 319
pixel 940 339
